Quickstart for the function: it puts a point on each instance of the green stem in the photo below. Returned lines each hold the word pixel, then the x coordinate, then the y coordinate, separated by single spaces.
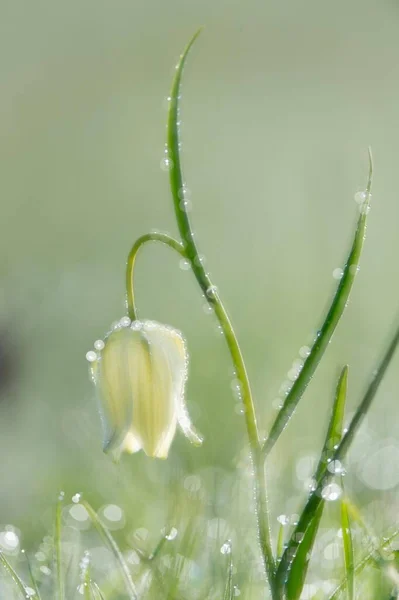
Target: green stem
pixel 163 238
pixel 178 190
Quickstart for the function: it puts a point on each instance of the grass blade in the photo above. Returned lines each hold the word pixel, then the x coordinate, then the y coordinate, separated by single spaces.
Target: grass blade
pixel 348 549
pixel 367 560
pixel 105 534
pixel 32 578
pixel 331 321
pixel 315 498
pixel 57 545
pixel 229 590
pixel 95 590
pixel 15 577
pixel 295 560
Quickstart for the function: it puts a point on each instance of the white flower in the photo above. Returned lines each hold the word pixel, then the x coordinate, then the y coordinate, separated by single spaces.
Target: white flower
pixel 140 373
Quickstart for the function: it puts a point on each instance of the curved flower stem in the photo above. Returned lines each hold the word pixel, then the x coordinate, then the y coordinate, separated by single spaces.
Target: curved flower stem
pixel 178 189
pixel 164 238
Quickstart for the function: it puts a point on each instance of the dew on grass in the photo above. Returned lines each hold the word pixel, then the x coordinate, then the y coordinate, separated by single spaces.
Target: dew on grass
pixel 212 291
pixel 226 548
pixel 45 570
pixel 360 197
pixel 172 535
pixel 283 519
pixel 304 351
pixel 184 264
pixel 99 345
pixel 331 492
pixel 338 273
pixel 166 163
pixel 76 498
pixel 336 467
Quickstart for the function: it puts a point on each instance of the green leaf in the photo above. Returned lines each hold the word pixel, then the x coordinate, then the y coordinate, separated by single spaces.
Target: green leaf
pixel 331 321
pixel 348 549
pixel 105 534
pixel 315 498
pixel 15 577
pixel 295 560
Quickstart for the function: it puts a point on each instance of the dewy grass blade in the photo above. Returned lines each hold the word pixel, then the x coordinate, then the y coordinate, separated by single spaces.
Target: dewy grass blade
pixel 15 577
pixel 60 590
pixel 367 560
pixel 178 188
pixel 315 498
pixel 348 549
pixel 295 559
pixel 109 540
pixel 229 590
pixel 32 578
pixel 331 321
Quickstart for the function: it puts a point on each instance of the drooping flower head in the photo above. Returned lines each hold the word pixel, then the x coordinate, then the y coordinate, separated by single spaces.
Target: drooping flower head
pixel 140 371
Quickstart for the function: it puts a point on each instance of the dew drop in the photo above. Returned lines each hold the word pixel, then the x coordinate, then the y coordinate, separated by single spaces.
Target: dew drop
pixel 226 548
pixel 91 356
pixel 184 264
pixel 364 209
pixel 304 351
pixel 283 519
pixel 360 197
pixel 186 205
pixel 237 591
pixel 353 269
pixel 184 193
pixel 207 308
pixel 76 498
pixel 113 513
pixel 338 273
pixel 99 345
pixel 166 163
pixel 136 326
pixel 212 291
pixel 331 492
pixel 336 467
pixel 172 535
pixel 125 321
pixel 200 260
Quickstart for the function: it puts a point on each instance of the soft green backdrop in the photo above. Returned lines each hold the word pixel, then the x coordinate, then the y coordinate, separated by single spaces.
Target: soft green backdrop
pixel 281 100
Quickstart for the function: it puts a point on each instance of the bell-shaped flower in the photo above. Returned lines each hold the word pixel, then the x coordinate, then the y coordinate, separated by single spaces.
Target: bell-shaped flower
pixel 140 371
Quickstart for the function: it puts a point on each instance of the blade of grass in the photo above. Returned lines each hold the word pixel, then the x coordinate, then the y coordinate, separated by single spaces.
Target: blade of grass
pixel 280 543
pixel 60 592
pixel 106 536
pixel 367 560
pixel 295 560
pixel 229 590
pixel 15 577
pixel 32 578
pixel 97 593
pixel 315 498
pixel 331 321
pixel 348 548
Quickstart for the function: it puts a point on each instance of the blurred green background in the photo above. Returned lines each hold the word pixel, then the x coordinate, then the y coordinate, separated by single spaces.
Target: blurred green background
pixel 281 100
